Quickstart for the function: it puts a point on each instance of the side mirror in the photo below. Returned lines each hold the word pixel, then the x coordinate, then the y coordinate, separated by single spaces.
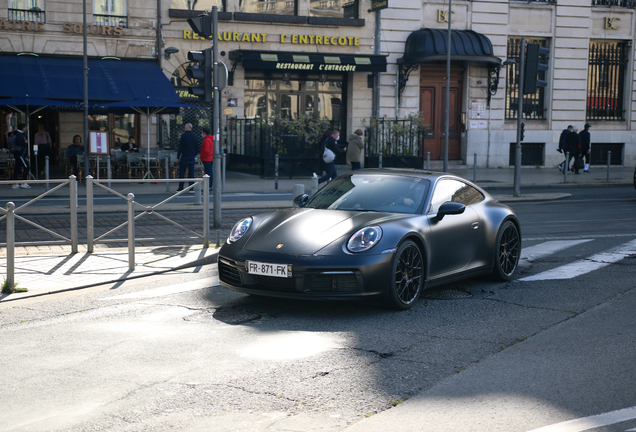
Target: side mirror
pixel 301 200
pixel 450 208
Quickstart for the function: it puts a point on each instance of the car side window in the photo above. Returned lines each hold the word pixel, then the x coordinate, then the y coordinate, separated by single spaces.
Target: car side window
pixel 455 191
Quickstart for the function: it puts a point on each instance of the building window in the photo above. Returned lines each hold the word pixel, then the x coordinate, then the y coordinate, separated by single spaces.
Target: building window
pixel 533 104
pixel 606 80
pixel 110 13
pixel 27 10
pixel 619 3
pixel 278 7
pixel 200 5
pixel 326 8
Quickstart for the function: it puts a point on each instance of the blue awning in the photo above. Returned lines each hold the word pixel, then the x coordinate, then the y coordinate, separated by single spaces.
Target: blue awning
pixel 60 78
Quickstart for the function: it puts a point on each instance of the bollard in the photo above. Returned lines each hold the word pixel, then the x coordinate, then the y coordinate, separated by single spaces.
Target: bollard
pixel 314 185
pixel 299 189
pixel 73 204
pixel 206 210
pixel 167 161
pixel 380 161
pixel 108 174
pixel 97 167
pixel 566 166
pixel 218 238
pixel 223 164
pixel 46 172
pixel 10 282
pixel 131 232
pixel 475 168
pixel 90 230
pixel 428 160
pixel 197 193
pixel 276 172
pixel 609 160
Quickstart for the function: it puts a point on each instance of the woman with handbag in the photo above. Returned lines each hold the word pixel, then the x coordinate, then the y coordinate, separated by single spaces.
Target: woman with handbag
pixel 330 149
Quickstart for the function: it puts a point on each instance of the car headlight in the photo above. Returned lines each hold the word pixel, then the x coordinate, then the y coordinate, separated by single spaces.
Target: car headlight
pixel 239 229
pixel 364 239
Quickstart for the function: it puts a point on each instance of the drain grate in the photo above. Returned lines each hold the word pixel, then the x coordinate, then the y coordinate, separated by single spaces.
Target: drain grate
pixel 227 316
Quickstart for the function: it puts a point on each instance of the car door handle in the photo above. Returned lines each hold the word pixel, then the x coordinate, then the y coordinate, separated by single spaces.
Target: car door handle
pixel 474 225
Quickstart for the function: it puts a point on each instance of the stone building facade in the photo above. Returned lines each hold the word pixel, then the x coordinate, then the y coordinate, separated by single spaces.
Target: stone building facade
pixel 590 77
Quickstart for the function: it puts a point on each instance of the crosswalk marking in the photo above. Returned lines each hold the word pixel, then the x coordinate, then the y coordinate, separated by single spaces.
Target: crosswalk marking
pixel 548 248
pixel 586 265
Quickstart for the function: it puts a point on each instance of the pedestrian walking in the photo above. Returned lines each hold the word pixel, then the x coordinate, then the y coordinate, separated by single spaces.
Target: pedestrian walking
pixel 563 145
pixel 354 150
pixel 574 147
pixel 19 150
pixel 586 147
pixel 207 153
pixel 331 144
pixel 188 149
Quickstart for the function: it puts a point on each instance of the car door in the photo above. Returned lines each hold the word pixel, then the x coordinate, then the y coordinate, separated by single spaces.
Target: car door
pixel 454 239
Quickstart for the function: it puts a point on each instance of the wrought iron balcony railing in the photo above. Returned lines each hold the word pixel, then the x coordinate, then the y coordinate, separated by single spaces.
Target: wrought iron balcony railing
pixel 33 14
pixel 110 20
pixel 619 3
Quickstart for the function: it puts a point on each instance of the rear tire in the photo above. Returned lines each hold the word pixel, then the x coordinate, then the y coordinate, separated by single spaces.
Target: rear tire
pixel 407 276
pixel 507 252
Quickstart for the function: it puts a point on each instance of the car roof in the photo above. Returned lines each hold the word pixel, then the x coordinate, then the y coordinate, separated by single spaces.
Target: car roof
pixel 411 172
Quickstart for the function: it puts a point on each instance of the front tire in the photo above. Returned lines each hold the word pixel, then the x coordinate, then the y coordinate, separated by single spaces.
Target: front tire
pixel 507 253
pixel 407 276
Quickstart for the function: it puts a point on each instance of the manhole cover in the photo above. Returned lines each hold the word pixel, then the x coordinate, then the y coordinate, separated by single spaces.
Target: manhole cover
pixel 447 294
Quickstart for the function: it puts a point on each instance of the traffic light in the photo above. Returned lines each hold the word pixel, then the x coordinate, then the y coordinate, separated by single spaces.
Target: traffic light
pixel 523 131
pixel 202 72
pixel 536 61
pixel 202 25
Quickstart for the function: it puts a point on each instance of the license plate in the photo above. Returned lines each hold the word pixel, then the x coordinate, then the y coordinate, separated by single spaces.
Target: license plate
pixel 267 269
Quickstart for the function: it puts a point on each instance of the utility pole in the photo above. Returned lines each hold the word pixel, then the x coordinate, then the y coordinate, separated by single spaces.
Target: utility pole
pixel 216 117
pixel 86 143
pixel 448 68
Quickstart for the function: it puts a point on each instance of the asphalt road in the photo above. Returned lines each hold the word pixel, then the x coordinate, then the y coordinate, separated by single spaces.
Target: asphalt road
pixel 177 353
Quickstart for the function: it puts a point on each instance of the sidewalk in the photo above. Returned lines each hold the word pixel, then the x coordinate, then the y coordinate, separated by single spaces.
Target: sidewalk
pixel 48 269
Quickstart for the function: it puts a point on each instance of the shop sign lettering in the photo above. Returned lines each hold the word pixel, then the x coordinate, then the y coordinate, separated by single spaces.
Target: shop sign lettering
pixel 320 67
pixel 228 36
pixel 609 23
pixel 21 25
pixel 93 29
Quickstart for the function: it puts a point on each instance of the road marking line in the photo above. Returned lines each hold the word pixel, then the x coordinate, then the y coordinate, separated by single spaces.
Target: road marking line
pixel 587 265
pixel 591 422
pixel 169 290
pixel 548 248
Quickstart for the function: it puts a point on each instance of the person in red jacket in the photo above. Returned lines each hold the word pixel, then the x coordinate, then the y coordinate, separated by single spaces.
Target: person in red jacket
pixel 207 152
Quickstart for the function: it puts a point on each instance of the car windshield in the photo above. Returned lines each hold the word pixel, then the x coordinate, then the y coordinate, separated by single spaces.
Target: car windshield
pixel 372 192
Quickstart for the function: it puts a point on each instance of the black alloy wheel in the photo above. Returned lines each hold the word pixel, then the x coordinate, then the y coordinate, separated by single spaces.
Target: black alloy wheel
pixel 407 278
pixel 508 252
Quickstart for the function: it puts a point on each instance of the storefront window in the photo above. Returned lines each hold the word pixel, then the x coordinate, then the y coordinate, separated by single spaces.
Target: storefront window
pixel 110 12
pixel 123 127
pixel 27 10
pixel 291 99
pixel 201 5
pixel 278 7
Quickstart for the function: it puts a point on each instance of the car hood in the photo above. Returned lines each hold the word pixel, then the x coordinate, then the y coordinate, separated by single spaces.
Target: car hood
pixel 307 231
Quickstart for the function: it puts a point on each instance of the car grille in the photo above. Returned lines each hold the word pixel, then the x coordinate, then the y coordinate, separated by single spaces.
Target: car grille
pixel 229 274
pixel 334 283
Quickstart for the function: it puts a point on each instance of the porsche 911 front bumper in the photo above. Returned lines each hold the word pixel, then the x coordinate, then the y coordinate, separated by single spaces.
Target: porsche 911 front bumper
pixel 313 277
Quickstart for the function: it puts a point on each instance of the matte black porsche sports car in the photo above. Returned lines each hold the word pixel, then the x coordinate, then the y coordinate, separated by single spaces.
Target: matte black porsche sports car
pixel 378 234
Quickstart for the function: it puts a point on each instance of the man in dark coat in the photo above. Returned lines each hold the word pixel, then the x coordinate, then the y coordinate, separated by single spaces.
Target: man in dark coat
pixel 585 147
pixel 573 143
pixel 562 145
pixel 332 144
pixel 188 149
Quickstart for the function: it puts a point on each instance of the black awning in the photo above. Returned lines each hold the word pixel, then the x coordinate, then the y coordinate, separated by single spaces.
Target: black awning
pixel 62 79
pixel 285 61
pixel 425 45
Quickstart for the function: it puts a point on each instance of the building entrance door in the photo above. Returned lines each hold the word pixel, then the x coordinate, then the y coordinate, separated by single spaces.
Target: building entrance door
pixel 433 105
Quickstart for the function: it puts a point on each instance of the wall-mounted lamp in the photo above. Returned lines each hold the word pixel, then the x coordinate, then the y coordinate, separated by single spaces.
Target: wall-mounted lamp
pixel 169 51
pixel 323 78
pixel 286 77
